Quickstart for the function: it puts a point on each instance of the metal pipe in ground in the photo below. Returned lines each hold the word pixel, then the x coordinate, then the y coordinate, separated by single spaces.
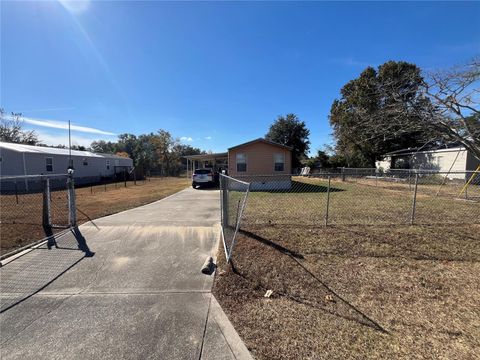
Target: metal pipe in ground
pixel 46 218
pixel 72 209
pixel 328 200
pixel 414 204
pixel 16 191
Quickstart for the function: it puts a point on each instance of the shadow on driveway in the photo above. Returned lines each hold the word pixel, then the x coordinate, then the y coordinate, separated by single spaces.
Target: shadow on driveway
pixel 32 272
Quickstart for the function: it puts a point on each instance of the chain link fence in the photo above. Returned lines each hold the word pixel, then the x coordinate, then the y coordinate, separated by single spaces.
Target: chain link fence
pixel 233 199
pixel 362 197
pixel 34 207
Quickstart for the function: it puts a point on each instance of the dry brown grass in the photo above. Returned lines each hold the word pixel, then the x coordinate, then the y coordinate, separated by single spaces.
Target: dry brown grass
pixel 21 223
pixel 357 290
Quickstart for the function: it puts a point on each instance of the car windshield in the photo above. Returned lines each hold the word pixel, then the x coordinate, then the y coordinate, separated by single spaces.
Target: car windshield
pixel 202 171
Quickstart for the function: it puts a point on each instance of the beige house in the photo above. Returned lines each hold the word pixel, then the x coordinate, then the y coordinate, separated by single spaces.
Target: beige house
pixel 259 161
pixel 259 157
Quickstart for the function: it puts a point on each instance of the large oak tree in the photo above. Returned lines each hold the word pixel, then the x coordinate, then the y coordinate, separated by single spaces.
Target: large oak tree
pixel 363 124
pixel 290 131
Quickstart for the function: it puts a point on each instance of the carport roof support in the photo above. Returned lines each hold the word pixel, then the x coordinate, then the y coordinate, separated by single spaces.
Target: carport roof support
pixel 205 157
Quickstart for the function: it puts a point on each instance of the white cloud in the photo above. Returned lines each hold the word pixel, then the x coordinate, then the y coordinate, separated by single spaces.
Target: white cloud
pixel 208 138
pixel 186 138
pixel 61 125
pixel 58 108
pixel 62 139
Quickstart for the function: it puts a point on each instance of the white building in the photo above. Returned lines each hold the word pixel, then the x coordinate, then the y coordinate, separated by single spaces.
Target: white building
pixel 19 159
pixel 455 159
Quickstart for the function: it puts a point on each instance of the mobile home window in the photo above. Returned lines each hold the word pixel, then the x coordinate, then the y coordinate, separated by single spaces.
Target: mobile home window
pixel 241 162
pixel 49 164
pixel 279 160
pixel 85 162
pixel 108 164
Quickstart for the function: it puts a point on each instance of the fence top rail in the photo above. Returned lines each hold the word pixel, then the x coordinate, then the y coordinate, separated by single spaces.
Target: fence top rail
pixel 337 174
pixel 420 171
pixel 234 179
pixel 20 177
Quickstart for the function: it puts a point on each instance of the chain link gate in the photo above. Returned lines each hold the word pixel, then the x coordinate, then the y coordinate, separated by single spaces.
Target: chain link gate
pixel 34 206
pixel 233 199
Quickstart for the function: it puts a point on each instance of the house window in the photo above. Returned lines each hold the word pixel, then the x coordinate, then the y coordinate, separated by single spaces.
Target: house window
pixel 85 162
pixel 108 164
pixel 241 162
pixel 279 160
pixel 49 164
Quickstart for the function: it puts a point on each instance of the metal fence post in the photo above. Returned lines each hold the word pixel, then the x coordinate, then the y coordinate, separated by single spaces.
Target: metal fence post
pixel 225 203
pixel 46 213
pixel 343 174
pixel 414 205
pixel 409 182
pixel 466 188
pixel 72 210
pixel 220 184
pixel 328 200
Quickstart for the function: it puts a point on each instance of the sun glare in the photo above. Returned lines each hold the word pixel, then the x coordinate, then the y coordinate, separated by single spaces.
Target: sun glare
pixel 75 6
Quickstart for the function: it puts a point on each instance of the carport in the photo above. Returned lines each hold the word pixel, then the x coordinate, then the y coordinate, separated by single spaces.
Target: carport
pixel 217 162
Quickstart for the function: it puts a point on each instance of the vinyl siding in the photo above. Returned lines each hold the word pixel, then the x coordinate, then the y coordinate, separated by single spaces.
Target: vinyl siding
pixel 260 159
pixel 12 164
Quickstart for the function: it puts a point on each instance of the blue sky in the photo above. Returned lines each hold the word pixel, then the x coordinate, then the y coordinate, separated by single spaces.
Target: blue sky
pixel 215 74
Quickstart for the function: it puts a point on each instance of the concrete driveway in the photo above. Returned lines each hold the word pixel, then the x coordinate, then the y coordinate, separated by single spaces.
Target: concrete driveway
pixel 127 286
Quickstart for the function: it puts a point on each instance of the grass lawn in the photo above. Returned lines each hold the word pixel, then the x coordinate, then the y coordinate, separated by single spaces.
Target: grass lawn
pixel 21 223
pixel 367 286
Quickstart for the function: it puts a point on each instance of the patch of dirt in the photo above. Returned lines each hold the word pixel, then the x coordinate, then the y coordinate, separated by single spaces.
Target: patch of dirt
pixel 350 292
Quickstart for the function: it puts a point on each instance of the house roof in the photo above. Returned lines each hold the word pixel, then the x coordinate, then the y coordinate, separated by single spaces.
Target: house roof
pixel 263 141
pixel 412 151
pixel 52 151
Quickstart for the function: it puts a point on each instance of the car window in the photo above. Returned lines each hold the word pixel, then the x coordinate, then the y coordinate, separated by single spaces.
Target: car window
pixel 202 171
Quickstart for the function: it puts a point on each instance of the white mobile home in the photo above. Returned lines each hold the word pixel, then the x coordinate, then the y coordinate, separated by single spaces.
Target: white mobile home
pixel 455 159
pixel 19 159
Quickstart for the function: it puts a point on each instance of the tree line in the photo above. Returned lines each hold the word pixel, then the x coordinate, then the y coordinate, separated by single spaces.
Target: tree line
pixel 154 152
